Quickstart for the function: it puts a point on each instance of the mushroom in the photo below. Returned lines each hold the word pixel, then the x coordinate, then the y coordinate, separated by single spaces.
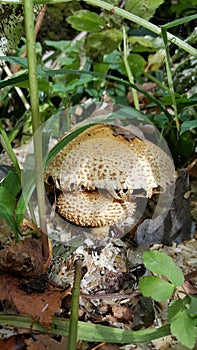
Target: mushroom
pixel 98 173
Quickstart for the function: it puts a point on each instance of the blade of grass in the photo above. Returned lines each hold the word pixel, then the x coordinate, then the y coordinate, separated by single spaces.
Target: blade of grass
pixel 8 148
pixel 36 120
pixel 169 76
pixel 157 82
pixel 89 331
pixel 128 69
pixel 18 90
pixel 51 73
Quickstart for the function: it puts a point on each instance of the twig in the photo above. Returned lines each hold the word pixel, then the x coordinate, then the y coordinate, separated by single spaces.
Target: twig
pixel 38 24
pixel 110 296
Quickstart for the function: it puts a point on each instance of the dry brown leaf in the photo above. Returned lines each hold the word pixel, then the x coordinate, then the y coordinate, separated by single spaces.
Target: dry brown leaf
pixel 122 312
pixel 12 343
pixel 40 306
pixel 45 342
pixel 186 288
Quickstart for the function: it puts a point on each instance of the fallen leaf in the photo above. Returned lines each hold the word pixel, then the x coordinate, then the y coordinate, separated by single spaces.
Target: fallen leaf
pixel 24 258
pixel 129 132
pixel 122 312
pixel 46 342
pixel 12 343
pixel 41 306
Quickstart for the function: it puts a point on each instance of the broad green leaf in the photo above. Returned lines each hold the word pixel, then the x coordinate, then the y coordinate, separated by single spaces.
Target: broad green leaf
pixel 43 85
pixel 61 45
pixel 83 80
pixel 28 186
pixel 143 8
pixel 101 68
pixel 12 183
pixel 7 208
pixel 13 81
pixel 85 20
pixel 17 60
pixel 142 44
pixel 188 125
pixel 137 64
pixel 193 304
pixel 161 120
pixel 156 288
pixel 182 103
pixel 135 40
pixel 99 44
pixel 181 323
pixel 160 263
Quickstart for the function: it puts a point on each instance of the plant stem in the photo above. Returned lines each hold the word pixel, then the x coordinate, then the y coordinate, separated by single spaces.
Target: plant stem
pixel 128 70
pixel 142 22
pixel 36 120
pixel 72 334
pixel 169 76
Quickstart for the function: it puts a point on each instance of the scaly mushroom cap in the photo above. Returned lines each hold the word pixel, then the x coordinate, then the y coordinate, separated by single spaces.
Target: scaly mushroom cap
pixel 97 173
pixel 93 209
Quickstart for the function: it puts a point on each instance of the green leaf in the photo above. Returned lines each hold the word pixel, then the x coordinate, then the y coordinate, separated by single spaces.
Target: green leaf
pixel 88 331
pixel 28 186
pixel 75 83
pixel 99 44
pixel 143 8
pixel 16 60
pixel 181 323
pixel 160 263
pixel 188 125
pixel 13 81
pixel 193 304
pixel 137 64
pixel 156 288
pixel 12 182
pixel 85 20
pixel 145 44
pixel 62 45
pixel 7 208
pixel 43 85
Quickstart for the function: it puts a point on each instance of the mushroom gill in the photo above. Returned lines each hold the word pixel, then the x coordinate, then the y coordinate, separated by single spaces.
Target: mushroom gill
pixel 97 173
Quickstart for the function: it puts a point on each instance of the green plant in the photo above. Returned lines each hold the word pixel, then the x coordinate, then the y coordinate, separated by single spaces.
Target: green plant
pixel 182 312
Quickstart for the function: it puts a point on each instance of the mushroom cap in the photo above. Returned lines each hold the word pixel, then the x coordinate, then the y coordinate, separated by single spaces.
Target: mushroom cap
pixel 93 209
pixel 98 171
